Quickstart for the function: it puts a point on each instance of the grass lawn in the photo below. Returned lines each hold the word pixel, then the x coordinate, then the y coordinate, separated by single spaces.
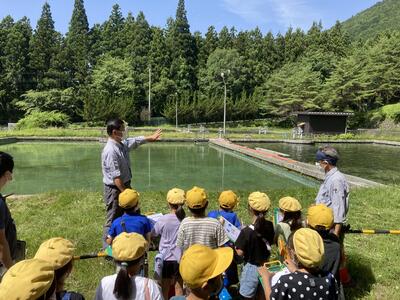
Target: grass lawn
pixel 79 216
pixel 169 132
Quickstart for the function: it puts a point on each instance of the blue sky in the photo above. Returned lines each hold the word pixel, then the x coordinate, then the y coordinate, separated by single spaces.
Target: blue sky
pixel 274 15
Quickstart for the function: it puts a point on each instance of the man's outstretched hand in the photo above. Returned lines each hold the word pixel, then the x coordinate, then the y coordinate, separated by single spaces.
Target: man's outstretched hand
pixel 155 136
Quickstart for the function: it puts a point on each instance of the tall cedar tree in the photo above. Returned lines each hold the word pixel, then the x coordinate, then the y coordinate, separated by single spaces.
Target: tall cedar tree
pixel 43 47
pixel 183 49
pixel 113 42
pixel 77 45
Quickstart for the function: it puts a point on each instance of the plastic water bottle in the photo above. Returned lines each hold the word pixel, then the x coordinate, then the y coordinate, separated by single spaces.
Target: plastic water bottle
pixel 224 295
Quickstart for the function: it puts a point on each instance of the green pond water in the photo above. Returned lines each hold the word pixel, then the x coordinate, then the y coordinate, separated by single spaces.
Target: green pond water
pixel 375 162
pixel 42 167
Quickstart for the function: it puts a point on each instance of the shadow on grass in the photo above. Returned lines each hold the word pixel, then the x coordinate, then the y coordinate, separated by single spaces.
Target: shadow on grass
pixel 362 275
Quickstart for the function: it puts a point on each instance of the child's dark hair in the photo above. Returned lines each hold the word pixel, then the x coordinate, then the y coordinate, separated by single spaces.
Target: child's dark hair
pixel 179 211
pixel 60 273
pixel 114 124
pixel 293 218
pixel 132 210
pixel 199 211
pixel 123 287
pixel 6 163
pixel 226 209
pixel 261 227
pixel 49 293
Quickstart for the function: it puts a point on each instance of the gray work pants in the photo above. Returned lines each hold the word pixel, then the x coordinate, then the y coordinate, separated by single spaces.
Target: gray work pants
pixel 113 210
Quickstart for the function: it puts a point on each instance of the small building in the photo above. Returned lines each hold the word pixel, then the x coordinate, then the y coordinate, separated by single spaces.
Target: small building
pixel 323 122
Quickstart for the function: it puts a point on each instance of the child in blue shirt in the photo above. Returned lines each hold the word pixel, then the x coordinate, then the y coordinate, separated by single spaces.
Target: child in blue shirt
pixel 131 220
pixel 227 202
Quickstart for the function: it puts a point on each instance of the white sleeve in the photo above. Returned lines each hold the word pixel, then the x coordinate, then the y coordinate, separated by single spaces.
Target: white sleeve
pixel 155 290
pixel 99 293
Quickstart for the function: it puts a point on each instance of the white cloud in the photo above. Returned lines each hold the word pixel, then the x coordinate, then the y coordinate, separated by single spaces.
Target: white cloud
pixel 249 10
pixel 295 13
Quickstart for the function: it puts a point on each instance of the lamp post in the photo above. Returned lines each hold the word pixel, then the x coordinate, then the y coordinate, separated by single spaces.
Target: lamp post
pixel 149 95
pixel 223 79
pixel 176 111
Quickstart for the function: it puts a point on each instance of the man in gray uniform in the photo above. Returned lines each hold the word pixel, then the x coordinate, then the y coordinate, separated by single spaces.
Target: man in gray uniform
pixel 334 191
pixel 116 167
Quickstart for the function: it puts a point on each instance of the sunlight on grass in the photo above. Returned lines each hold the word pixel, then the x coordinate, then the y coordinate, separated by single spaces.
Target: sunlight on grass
pixel 79 216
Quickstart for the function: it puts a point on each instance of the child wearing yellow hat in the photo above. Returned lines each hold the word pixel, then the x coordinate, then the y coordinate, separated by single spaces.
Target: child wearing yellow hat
pixel 199 229
pixel 29 279
pixel 320 218
pixel 227 201
pixel 167 227
pixel 131 220
pixel 201 268
pixel 290 210
pixel 128 250
pixel 253 243
pixel 59 253
pixel 306 280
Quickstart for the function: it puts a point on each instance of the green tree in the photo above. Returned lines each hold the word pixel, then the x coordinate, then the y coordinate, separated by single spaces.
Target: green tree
pixel 43 47
pixel 183 49
pixel 111 92
pixel 229 62
pixel 76 52
pixel 16 76
pixel 113 41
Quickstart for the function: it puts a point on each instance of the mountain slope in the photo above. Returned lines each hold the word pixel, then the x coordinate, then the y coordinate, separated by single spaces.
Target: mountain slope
pixel 384 15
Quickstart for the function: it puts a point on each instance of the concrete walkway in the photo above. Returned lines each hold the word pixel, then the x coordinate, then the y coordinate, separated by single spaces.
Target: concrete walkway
pixel 288 163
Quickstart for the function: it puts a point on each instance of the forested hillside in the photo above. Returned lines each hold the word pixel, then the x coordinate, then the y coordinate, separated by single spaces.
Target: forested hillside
pixel 92 73
pixel 384 15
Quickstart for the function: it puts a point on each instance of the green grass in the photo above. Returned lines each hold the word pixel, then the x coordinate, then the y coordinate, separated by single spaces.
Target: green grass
pixel 169 132
pixel 79 216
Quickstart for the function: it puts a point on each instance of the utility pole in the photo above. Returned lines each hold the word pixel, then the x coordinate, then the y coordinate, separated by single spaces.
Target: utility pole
pixel 149 94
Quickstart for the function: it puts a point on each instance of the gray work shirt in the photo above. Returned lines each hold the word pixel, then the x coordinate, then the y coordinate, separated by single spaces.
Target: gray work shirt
pixel 334 193
pixel 115 160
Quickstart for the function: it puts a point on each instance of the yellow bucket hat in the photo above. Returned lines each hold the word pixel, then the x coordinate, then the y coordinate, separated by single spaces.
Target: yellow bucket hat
pixel 309 247
pixel 28 279
pixel 196 197
pixel 228 199
pixel 259 201
pixel 289 204
pixel 128 198
pixel 320 215
pixel 57 251
pixel 176 196
pixel 200 263
pixel 128 246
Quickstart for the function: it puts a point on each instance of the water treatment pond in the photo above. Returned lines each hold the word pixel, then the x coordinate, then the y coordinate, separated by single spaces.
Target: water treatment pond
pixel 42 167
pixel 375 162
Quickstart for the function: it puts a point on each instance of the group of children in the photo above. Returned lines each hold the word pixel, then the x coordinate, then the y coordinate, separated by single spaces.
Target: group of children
pixel 196 259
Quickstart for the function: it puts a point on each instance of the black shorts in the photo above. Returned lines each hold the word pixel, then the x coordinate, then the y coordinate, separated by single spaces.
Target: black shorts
pixel 170 269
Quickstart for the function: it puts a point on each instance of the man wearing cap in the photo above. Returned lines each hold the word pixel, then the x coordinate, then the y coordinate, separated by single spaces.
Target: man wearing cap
pixel 116 167
pixel 8 233
pixel 334 191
